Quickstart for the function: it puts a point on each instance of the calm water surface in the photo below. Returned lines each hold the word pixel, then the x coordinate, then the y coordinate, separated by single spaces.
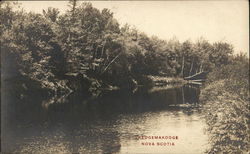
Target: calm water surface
pixel 110 123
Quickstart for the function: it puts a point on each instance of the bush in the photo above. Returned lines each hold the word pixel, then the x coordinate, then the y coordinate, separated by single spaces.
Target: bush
pixel 226 107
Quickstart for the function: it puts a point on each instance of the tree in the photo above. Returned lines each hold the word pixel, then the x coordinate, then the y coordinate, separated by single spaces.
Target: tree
pixel 51 14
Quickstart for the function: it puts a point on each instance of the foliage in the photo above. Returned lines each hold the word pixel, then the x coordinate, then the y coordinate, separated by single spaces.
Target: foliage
pixel 235 74
pixel 226 107
pixel 86 50
pixel 89 43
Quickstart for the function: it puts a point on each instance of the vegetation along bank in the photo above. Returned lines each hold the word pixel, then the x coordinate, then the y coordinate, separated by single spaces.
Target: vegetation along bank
pixel 86 50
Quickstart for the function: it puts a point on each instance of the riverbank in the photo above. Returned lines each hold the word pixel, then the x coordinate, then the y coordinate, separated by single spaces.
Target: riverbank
pixel 162 81
pixel 226 108
pixel 98 58
pixel 227 117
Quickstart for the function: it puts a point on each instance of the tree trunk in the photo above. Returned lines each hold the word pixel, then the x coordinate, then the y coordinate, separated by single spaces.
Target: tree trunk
pixel 191 69
pixel 103 49
pixel 201 68
pixel 182 67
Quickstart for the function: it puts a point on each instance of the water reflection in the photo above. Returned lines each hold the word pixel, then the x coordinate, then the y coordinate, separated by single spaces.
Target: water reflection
pixel 108 124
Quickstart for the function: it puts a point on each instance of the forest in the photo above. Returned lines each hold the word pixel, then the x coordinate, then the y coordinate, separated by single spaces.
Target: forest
pixel 86 50
pixel 56 51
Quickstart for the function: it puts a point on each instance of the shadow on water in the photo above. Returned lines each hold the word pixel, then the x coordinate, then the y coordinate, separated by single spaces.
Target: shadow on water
pixel 78 123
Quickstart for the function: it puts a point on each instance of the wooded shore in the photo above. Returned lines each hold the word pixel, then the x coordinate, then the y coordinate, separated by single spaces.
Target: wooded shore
pixel 85 50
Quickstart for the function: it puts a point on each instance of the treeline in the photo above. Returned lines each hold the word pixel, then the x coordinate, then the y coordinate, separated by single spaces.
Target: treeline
pixel 86 49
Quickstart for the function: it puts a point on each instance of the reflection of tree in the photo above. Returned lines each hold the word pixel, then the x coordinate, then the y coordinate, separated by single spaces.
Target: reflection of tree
pixel 191 94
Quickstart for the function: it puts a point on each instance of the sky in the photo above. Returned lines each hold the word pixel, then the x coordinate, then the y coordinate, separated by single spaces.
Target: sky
pixel 219 20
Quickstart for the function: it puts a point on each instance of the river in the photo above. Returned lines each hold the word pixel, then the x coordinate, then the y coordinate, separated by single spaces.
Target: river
pixel 114 122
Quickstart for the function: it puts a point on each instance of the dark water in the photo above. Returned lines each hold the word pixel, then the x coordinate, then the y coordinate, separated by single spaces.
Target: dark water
pixel 110 123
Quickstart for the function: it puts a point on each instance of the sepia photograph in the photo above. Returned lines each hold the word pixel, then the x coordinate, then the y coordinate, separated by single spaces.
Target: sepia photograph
pixel 125 77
